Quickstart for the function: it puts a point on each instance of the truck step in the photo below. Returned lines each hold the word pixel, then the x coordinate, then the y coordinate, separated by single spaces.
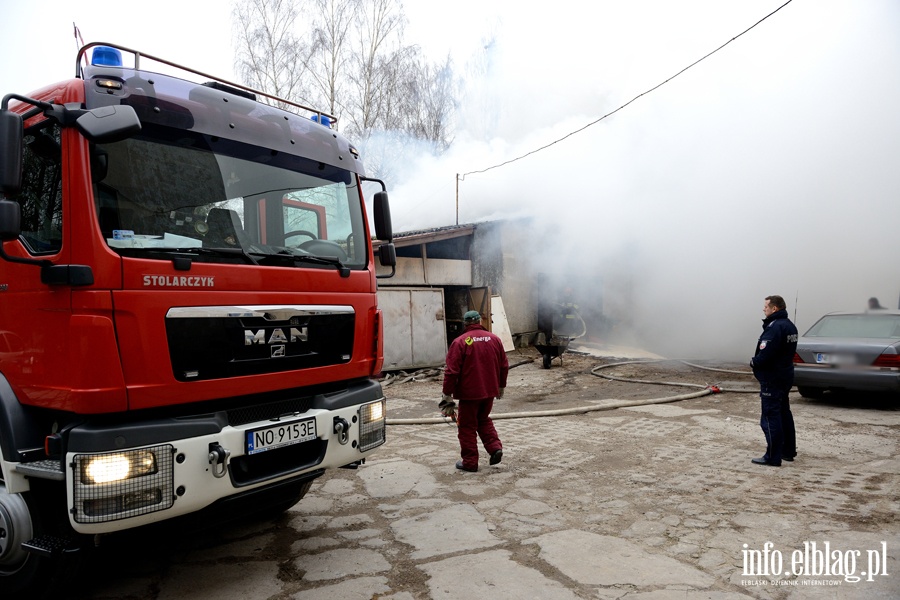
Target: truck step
pixel 43 469
pixel 50 545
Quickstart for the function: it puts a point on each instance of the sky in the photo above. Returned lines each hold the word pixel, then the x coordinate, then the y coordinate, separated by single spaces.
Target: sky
pixel 771 167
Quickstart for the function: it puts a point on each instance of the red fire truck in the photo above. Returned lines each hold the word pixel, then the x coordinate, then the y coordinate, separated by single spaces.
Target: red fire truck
pixel 188 315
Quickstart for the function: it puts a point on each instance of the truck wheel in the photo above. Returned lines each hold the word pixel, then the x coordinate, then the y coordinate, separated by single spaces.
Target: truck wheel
pixel 811 392
pixel 25 574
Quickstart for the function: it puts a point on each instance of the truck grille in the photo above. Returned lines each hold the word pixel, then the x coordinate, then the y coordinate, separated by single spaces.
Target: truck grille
pixel 265 412
pixel 213 342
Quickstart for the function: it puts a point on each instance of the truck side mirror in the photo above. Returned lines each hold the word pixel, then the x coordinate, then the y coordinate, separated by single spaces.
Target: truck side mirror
pixel 387 254
pixel 109 123
pixel 10 220
pixel 11 136
pixel 383 228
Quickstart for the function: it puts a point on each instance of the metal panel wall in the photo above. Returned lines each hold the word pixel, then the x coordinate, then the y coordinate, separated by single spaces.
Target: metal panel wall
pixel 431 271
pixel 415 333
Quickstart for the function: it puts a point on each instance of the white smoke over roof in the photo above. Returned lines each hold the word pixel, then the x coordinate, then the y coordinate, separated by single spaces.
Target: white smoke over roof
pixel 768 168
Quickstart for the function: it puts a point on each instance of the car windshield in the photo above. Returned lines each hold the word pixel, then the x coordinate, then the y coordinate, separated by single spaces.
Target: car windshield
pixel 856 326
pixel 169 189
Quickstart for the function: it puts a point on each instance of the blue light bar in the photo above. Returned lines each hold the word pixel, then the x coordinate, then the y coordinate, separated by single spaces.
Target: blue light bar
pixel 104 56
pixel 322 119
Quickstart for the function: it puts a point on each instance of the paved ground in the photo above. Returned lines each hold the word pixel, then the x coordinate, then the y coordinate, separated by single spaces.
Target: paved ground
pixel 647 501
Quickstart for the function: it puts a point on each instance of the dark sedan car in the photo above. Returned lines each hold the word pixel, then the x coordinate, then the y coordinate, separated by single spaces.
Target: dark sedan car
pixel 850 351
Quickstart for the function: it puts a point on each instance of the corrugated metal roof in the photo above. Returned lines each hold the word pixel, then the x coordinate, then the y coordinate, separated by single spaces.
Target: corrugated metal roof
pixel 435 234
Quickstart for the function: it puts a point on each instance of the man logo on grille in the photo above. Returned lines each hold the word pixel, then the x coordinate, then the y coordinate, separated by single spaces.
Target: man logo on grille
pixel 277 336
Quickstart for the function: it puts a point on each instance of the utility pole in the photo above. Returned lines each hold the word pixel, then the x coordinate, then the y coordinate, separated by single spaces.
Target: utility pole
pixel 457 198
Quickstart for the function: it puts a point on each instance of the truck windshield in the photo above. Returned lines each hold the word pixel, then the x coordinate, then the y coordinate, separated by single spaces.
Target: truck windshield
pixel 168 190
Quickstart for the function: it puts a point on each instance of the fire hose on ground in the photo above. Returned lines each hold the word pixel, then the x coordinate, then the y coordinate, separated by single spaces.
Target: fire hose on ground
pixel 704 390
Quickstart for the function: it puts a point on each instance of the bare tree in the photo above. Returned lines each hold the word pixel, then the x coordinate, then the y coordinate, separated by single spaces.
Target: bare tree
pixel 430 91
pixel 328 60
pixel 377 55
pixel 269 53
pixel 419 123
pixel 351 58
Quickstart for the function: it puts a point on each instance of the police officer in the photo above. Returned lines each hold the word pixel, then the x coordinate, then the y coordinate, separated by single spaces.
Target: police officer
pixel 476 373
pixel 773 367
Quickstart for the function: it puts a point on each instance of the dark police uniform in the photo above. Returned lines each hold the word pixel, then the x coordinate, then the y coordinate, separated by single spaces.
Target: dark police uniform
pixel 773 367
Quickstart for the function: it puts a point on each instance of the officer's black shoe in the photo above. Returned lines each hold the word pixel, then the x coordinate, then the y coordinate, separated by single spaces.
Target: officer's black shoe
pixel 762 461
pixel 788 458
pixel 496 457
pixel 459 465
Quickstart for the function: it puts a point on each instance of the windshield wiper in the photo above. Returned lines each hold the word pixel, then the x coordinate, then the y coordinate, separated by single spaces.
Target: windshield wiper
pixel 258 258
pixel 323 260
pixel 214 252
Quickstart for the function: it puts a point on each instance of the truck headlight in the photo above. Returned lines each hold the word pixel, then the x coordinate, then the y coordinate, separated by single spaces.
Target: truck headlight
pixel 371 425
pixel 105 468
pixel 117 485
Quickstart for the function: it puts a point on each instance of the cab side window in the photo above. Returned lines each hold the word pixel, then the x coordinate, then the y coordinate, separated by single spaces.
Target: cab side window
pixel 40 198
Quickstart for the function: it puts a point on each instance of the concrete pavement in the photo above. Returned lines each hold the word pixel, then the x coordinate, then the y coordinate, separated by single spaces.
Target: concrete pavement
pixel 648 502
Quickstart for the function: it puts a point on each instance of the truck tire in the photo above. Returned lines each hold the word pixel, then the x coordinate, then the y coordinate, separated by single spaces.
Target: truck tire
pixel 25 575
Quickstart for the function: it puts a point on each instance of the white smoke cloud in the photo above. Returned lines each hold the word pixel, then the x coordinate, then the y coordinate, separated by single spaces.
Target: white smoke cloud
pixel 768 168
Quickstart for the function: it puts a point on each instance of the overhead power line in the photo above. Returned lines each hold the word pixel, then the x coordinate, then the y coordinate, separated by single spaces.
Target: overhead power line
pixel 609 114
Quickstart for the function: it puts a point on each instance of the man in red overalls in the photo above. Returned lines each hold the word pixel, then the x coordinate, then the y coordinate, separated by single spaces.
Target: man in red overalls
pixel 476 373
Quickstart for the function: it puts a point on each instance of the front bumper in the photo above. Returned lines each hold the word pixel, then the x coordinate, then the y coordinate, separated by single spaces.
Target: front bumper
pixel 183 465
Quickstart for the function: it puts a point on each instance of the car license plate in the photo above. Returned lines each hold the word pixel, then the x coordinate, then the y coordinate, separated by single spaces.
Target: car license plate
pixel 835 359
pixel 283 434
